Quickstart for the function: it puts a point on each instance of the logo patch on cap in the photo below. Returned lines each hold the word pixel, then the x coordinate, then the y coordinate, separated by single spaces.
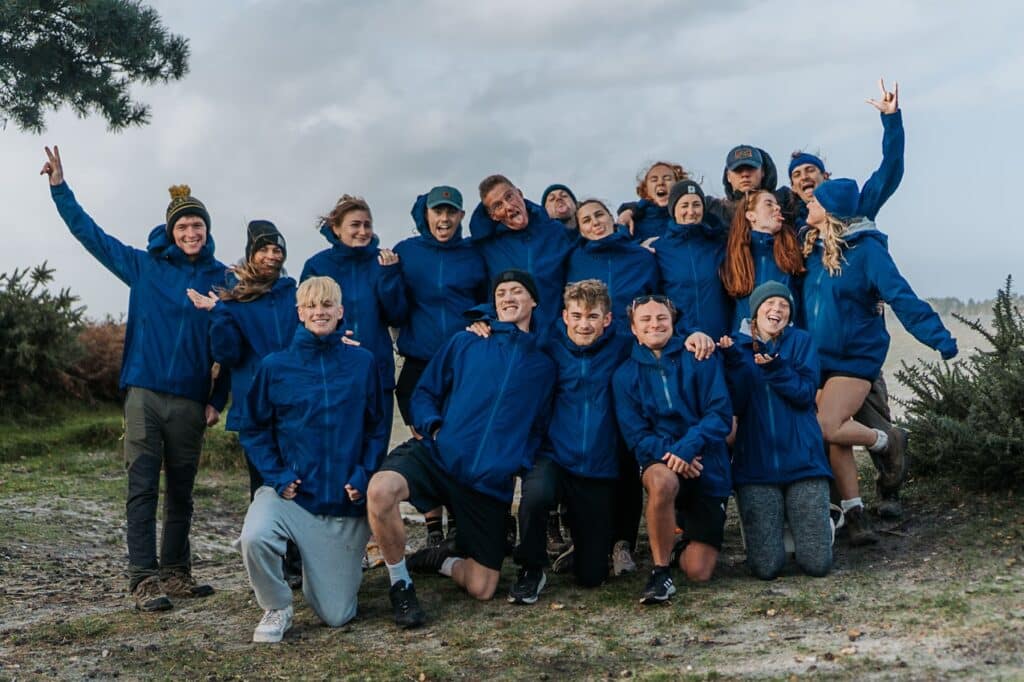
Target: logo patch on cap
pixel 691 189
pixel 742 154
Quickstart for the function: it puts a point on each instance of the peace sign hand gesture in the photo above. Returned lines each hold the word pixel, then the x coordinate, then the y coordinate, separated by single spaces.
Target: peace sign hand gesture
pixel 53 166
pixel 890 102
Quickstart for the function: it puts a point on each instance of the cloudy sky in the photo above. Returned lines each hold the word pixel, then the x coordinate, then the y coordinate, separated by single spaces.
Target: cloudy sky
pixel 291 103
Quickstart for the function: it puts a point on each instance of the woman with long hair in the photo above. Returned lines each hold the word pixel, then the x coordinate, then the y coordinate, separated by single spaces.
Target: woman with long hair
pixel 849 269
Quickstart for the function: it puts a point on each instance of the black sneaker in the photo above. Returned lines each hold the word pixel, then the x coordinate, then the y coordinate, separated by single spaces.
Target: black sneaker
pixel 430 559
pixel 528 587
pixel 659 587
pixel 859 528
pixel 405 605
pixel 435 538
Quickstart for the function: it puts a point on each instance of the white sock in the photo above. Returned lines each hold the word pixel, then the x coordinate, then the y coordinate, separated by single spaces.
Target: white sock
pixel 881 441
pixel 398 572
pixel 448 565
pixel 852 503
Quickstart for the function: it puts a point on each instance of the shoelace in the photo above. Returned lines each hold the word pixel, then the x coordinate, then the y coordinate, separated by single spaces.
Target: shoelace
pixel 274 618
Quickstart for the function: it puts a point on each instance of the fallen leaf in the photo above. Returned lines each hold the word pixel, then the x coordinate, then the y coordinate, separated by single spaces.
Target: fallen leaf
pixel 770 613
pixel 848 651
pixel 854 634
pixel 555 606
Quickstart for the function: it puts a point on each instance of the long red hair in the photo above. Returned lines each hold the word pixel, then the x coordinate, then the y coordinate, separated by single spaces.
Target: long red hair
pixel 737 271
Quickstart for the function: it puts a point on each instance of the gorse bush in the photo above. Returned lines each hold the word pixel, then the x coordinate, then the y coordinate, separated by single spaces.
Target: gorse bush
pixel 967 418
pixel 99 366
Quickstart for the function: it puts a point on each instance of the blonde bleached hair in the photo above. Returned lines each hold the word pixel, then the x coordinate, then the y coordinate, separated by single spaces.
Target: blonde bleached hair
pixel 832 243
pixel 317 289
pixel 592 294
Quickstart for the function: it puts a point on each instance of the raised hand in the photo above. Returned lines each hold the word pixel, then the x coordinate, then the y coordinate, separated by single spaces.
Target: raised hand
pixel 890 102
pixel 202 302
pixel 53 166
pixel 387 257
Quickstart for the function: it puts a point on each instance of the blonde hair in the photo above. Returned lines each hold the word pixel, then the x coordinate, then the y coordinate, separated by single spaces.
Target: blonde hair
pixel 317 289
pixel 832 243
pixel 345 204
pixel 592 294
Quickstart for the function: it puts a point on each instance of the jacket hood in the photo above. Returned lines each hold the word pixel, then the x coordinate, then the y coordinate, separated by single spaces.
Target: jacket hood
pixel 485 312
pixel 645 356
pixel 307 340
pixel 482 226
pixel 705 230
pixel 618 240
pixel 862 228
pixel 744 339
pixel 770 181
pixel 360 252
pixel 419 216
pixel 161 245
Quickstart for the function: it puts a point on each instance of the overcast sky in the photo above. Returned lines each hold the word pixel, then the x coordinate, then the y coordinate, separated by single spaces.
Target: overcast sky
pixel 290 104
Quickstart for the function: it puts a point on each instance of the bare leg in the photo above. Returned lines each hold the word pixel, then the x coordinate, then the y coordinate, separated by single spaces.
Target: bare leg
pixel 662 485
pixel 698 561
pixel 478 580
pixel 838 401
pixel 386 490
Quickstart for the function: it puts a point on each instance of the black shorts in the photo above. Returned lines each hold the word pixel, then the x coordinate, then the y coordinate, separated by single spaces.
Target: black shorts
pixel 412 370
pixel 701 517
pixel 825 376
pixel 481 535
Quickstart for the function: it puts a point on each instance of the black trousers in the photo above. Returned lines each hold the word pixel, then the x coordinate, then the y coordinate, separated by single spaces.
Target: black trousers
pixel 628 500
pixel 412 370
pixel 589 505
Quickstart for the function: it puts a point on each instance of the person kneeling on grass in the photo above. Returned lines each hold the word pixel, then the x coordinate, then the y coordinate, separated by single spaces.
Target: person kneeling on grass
pixel 481 406
pixel 674 413
pixel 779 468
pixel 316 433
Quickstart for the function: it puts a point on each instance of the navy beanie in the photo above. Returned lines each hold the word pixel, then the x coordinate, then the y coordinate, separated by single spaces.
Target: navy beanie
pixel 839 197
pixel 520 276
pixel 769 289
pixel 802 158
pixel 552 188
pixel 259 233
pixel 678 190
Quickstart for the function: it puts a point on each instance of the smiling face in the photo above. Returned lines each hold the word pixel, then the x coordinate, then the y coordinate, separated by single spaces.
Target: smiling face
pixel 652 324
pixel 442 220
pixel 585 324
pixel 505 204
pixel 559 205
pixel 805 178
pixel 268 260
pixel 189 235
pixel 514 304
pixel 773 317
pixel 765 215
pixel 745 178
pixel 658 182
pixel 320 317
pixel 355 228
pixel 594 221
pixel 689 210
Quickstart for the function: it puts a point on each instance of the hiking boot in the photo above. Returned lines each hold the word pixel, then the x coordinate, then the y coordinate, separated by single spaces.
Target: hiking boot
pixel 150 596
pixel 858 527
pixel 273 625
pixel 556 542
pixel 528 587
pixel 889 506
pixel 405 605
pixel 435 538
pixel 894 460
pixel 430 559
pixel 181 585
pixel 373 557
pixel 563 563
pixel 622 559
pixel 659 587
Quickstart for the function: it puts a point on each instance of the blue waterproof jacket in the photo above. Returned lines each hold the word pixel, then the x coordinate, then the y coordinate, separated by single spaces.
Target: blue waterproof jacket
pixel 676 404
pixel 540 249
pixel 649 219
pixel 583 436
pixel 242 334
pixel 689 257
pixel 762 251
pixel 841 310
pixel 628 269
pixel 370 293
pixel 316 415
pixel 441 281
pixel 167 342
pixel 778 440
pixel 491 397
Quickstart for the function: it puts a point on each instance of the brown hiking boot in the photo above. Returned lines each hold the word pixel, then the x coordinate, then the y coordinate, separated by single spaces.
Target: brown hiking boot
pixel 181 584
pixel 859 528
pixel 894 460
pixel 149 596
pixel 888 506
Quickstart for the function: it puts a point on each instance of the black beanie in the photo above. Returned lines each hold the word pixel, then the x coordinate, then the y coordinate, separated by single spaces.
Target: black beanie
pixel 183 204
pixel 259 233
pixel 678 190
pixel 520 276
pixel 552 188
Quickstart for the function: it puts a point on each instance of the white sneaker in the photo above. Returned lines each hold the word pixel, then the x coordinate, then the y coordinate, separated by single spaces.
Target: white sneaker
pixel 622 560
pixel 273 625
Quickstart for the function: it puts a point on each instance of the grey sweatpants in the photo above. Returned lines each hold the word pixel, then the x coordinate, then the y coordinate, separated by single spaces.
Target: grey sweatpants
pixel 764 509
pixel 331 548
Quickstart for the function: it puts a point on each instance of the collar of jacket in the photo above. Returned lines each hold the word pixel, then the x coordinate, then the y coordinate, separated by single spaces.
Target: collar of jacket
pixel 160 245
pixel 356 252
pixel 645 356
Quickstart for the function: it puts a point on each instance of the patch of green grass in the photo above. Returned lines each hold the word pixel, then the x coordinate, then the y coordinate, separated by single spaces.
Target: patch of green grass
pixel 92 427
pixel 75 631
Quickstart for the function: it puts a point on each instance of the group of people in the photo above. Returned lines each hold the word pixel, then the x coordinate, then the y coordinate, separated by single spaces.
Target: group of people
pixel 687 346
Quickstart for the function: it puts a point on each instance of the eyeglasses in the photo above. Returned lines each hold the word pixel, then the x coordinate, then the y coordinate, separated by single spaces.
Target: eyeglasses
pixel 657 298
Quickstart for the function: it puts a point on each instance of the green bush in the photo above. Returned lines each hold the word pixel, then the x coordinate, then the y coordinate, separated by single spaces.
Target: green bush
pixel 967 418
pixel 38 340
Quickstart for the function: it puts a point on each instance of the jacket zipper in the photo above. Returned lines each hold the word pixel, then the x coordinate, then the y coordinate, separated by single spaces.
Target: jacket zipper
pixel 497 402
pixel 181 327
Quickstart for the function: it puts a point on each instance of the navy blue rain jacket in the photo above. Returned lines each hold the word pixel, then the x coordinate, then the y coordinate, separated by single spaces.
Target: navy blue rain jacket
pixel 167 342
pixel 778 440
pixel 649 219
pixel 316 415
pixel 689 257
pixel 540 249
pixel 627 269
pixel 370 293
pixel 762 251
pixel 491 397
pixel 441 281
pixel 242 334
pixel 841 311
pixel 583 436
pixel 676 404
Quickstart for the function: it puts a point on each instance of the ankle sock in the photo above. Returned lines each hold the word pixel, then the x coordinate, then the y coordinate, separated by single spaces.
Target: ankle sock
pixel 881 441
pixel 448 565
pixel 852 503
pixel 398 572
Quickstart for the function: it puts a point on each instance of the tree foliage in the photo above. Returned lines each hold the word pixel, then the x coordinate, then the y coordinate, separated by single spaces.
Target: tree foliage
pixel 967 418
pixel 83 53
